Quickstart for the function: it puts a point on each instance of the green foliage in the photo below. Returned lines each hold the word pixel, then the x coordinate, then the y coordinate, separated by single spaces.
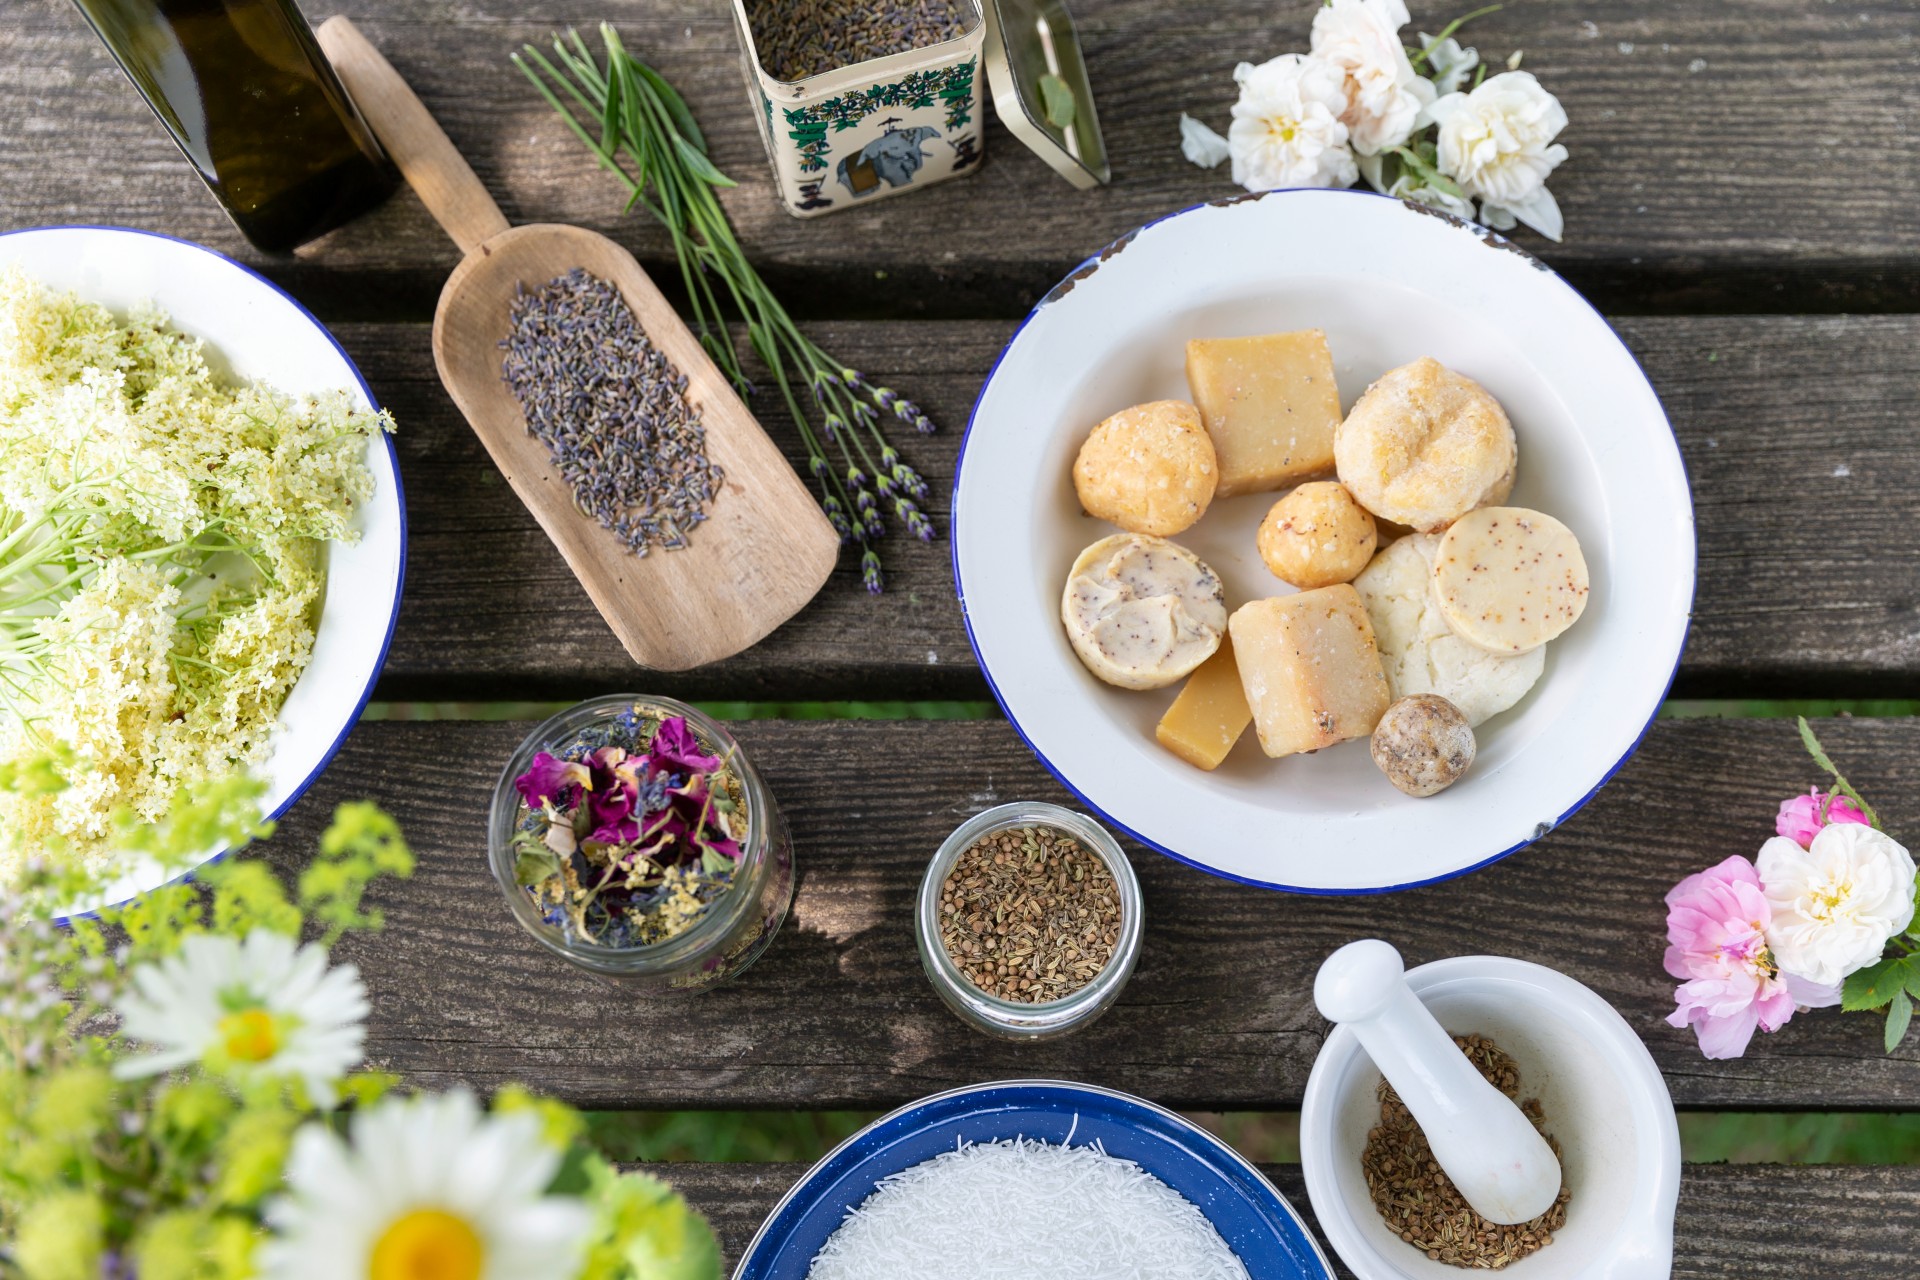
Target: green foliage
pixel 644 1230
pixel 361 844
pixel 171 1171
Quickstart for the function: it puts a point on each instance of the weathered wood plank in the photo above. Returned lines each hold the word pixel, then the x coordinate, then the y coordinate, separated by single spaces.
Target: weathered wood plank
pixel 1819 1221
pixel 1691 124
pixel 1219 1014
pixel 1795 431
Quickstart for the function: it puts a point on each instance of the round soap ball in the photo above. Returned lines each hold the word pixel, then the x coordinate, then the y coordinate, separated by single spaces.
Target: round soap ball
pixel 1149 469
pixel 1423 744
pixel 1509 579
pixel 1317 536
pixel 1425 445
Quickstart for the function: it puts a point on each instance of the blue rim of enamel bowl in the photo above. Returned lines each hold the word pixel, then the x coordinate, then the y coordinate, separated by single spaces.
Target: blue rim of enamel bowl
pixel 400 579
pixel 1491 239
pixel 1270 1238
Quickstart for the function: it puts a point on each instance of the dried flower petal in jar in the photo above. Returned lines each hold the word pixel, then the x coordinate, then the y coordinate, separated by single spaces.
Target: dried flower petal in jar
pixel 632 837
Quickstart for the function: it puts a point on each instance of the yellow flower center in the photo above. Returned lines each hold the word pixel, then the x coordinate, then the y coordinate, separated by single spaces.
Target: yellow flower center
pixel 427 1244
pixel 1285 128
pixel 1828 897
pixel 252 1035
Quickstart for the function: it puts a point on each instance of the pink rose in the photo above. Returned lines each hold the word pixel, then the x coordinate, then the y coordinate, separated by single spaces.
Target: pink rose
pixel 1717 922
pixel 1799 819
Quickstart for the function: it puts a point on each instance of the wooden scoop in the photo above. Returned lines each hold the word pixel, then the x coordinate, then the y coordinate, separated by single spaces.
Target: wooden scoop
pixel 764 549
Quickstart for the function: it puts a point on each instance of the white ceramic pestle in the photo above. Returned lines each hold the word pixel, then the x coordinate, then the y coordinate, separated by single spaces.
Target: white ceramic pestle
pixel 1492 1152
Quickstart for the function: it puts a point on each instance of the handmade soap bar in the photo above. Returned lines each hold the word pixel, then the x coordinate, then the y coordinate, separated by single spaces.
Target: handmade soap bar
pixel 1309 669
pixel 1209 715
pixel 1270 404
pixel 1509 579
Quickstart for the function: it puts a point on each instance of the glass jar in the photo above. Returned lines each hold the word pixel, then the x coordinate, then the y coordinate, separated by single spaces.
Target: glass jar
pixel 1015 1020
pixel 737 926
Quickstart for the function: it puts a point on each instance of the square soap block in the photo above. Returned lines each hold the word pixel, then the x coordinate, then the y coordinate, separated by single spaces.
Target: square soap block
pixel 1209 715
pixel 1309 668
pixel 1271 405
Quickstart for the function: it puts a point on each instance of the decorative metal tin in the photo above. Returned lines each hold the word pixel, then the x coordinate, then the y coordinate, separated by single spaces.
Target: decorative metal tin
pixel 856 134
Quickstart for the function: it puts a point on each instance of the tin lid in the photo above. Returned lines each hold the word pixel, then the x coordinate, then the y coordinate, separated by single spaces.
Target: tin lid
pixel 1040 87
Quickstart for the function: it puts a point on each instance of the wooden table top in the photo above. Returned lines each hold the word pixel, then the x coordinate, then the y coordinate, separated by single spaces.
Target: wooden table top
pixel 1743 201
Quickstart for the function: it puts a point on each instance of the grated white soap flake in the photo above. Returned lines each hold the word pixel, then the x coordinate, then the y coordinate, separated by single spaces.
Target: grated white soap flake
pixel 1025 1210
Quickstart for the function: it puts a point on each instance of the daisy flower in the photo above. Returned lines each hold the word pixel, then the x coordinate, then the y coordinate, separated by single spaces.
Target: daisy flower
pixel 258 1009
pixel 429 1189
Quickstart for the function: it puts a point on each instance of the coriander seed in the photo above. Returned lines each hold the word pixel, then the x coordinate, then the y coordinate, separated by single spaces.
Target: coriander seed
pixel 1029 915
pixel 1420 1204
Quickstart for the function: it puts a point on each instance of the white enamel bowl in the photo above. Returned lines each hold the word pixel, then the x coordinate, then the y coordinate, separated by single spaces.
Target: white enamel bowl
pixel 255 331
pixel 1388 283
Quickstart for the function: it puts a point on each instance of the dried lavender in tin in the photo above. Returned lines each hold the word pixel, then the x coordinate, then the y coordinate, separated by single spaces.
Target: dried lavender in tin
pixel 612 411
pixel 801 38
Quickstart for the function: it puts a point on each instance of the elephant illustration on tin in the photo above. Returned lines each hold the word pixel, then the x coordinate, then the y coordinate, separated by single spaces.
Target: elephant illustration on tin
pixel 893 157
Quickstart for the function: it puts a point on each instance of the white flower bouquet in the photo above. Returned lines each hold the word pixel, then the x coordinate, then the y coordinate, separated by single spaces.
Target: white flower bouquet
pixel 1426 123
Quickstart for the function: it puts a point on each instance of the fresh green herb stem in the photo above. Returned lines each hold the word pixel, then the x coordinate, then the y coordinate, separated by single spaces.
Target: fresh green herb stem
pixel 647 137
pixel 1419 56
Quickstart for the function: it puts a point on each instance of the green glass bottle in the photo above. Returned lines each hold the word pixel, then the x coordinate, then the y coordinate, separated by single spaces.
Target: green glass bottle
pixel 254 106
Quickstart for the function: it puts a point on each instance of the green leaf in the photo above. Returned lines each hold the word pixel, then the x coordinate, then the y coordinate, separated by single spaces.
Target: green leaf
pixel 697 161
pixel 533 863
pixel 610 117
pixel 1877 984
pixel 675 104
pixel 1425 170
pixel 1057 101
pixel 1897 1019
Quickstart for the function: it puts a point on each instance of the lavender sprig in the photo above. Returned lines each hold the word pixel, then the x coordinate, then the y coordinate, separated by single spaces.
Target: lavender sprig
pixel 640 129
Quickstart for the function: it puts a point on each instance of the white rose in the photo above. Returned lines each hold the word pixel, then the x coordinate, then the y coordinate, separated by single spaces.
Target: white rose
pixel 1498 144
pixel 1836 903
pixel 1384 96
pixel 1286 129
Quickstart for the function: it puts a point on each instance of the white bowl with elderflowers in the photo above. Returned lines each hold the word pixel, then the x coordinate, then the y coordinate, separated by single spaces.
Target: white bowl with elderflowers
pixel 1182 397
pixel 205 541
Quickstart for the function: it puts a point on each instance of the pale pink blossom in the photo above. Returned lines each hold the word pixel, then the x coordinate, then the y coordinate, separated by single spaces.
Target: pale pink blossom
pixel 1800 820
pixel 1717 922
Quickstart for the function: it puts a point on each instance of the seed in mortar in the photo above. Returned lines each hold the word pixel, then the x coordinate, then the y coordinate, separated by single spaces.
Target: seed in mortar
pixel 1029 914
pixel 1418 1201
pixel 612 411
pixel 801 38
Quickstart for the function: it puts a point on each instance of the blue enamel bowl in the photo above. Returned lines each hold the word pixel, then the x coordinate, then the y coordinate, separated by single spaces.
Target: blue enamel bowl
pixel 1254 1219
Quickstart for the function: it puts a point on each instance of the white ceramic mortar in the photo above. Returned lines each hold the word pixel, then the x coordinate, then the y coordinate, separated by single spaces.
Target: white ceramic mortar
pixel 1604 1100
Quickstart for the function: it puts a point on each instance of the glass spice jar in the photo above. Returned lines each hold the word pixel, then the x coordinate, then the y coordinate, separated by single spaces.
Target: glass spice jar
pixel 738 925
pixel 1008 1019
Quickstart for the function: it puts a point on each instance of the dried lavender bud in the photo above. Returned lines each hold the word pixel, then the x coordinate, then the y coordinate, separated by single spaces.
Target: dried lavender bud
pixel 870 572
pixel 611 410
pixel 800 38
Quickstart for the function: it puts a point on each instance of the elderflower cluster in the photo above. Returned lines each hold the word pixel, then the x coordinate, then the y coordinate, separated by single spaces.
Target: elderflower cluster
pixel 1357 106
pixel 162 565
